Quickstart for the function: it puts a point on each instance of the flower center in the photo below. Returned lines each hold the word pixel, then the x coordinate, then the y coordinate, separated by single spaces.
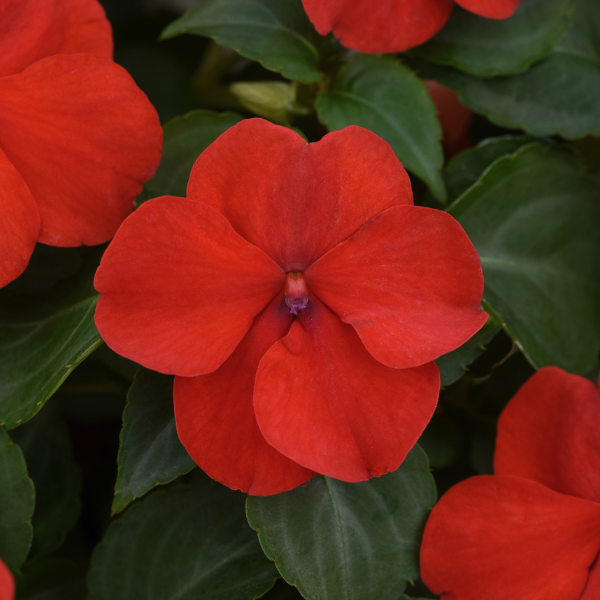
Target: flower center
pixel 296 292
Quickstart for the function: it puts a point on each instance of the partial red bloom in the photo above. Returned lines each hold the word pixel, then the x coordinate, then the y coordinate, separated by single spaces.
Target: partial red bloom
pixel 75 130
pixel 7 583
pixel 393 25
pixel 532 530
pixel 300 299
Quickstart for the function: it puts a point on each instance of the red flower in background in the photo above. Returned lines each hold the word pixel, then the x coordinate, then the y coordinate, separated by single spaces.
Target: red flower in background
pixel 78 138
pixel 393 25
pixel 7 583
pixel 532 531
pixel 299 297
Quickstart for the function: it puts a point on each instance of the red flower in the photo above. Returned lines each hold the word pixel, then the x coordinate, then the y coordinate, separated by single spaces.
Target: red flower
pixel 300 298
pixel 7 583
pixel 393 25
pixel 77 137
pixel 532 531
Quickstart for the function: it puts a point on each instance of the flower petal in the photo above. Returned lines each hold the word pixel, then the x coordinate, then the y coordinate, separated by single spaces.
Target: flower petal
pixel 180 288
pixel 498 537
pixel 491 9
pixel 409 281
pixel 592 587
pixel 322 400
pixel 84 138
pixel 383 26
pixel 216 422
pixel 19 225
pixel 35 29
pixel 296 200
pixel 7 583
pixel 549 432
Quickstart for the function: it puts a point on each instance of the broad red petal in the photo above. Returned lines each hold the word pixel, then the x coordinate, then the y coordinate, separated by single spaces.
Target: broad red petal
pixel 322 400
pixel 499 537
pixel 84 138
pixel 592 587
pixel 19 224
pixel 35 29
pixel 180 288
pixel 550 432
pixel 216 422
pixel 409 281
pixel 383 26
pixel 7 583
pixel 491 9
pixel 296 200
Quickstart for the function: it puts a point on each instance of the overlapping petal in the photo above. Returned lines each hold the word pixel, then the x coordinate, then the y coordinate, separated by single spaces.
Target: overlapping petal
pixel 35 29
pixel 384 26
pixel 180 288
pixel 549 432
pixel 84 138
pixel 216 422
pixel 409 282
pixel 293 200
pixel 322 400
pixel 7 583
pixel 498 537
pixel 592 587
pixel 491 9
pixel 19 223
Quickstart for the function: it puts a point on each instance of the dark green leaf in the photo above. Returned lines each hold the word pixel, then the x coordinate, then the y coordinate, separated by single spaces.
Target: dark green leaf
pixel 533 217
pixel 382 95
pixel 150 451
pixel 557 96
pixel 466 168
pixel 42 339
pixel 489 47
pixel 356 541
pixel 277 34
pixel 46 444
pixel 453 365
pixel 188 542
pixel 52 579
pixel 441 441
pixel 17 500
pixel 185 138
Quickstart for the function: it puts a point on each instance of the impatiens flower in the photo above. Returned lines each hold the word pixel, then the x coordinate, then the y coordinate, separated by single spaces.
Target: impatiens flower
pixel 532 531
pixel 7 583
pixel 299 297
pixel 393 25
pixel 78 138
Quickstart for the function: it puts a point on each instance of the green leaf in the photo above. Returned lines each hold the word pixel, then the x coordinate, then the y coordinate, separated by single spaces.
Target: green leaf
pixel 489 47
pixel 441 440
pixel 188 542
pixel 17 500
pixel 382 95
pixel 42 339
pixel 453 365
pixel 46 444
pixel 557 96
pixel 52 579
pixel 277 34
pixel 533 217
pixel 465 168
pixel 185 138
pixel 150 452
pixel 356 541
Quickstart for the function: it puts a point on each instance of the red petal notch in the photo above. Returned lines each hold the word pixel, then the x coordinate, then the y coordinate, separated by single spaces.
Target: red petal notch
pixel 491 9
pixel 499 537
pixel 549 432
pixel 322 400
pixel 216 422
pixel 293 200
pixel 180 288
pixel 84 153
pixel 410 282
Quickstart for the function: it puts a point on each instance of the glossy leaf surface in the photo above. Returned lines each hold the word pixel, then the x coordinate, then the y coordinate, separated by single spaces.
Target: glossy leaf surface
pixel 188 542
pixel 278 34
pixel 354 541
pixel 150 452
pixel 382 95
pixel 533 218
